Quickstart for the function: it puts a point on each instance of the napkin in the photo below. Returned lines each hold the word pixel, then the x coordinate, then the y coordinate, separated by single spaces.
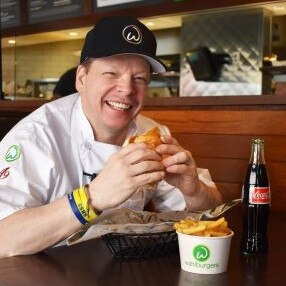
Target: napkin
pixel 128 221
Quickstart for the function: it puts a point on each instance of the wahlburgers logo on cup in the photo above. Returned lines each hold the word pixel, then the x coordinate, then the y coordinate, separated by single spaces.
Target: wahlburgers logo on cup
pixel 201 253
pixel 204 255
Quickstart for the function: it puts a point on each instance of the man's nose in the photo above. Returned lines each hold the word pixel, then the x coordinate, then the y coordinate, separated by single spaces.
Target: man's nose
pixel 125 85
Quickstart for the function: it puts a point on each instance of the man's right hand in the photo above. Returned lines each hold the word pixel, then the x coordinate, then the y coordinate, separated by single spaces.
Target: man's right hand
pixel 124 172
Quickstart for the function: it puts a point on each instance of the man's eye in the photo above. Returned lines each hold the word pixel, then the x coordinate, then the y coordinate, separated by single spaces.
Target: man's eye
pixel 109 74
pixel 141 80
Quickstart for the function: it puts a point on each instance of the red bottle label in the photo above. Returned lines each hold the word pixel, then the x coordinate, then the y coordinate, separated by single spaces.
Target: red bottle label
pixel 259 195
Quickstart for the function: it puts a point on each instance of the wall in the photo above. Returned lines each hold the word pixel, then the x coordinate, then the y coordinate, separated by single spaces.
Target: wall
pixel 279 37
pixel 220 141
pixel 227 32
pixel 51 60
pixel 168 41
pixel 40 61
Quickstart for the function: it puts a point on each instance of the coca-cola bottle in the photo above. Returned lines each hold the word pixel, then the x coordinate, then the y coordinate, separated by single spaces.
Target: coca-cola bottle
pixel 256 203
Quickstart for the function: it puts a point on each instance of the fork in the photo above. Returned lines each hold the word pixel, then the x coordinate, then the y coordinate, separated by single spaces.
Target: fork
pixel 216 211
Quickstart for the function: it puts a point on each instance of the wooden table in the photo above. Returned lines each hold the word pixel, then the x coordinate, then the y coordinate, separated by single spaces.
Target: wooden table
pixel 90 263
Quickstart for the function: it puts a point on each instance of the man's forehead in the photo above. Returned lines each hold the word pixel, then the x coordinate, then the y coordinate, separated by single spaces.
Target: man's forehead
pixel 119 61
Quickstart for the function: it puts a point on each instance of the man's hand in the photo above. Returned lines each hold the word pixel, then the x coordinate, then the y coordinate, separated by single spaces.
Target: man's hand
pixel 125 171
pixel 181 169
pixel 181 172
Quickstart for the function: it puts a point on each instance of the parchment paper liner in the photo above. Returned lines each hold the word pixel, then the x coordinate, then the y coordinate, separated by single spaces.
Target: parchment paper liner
pixel 128 221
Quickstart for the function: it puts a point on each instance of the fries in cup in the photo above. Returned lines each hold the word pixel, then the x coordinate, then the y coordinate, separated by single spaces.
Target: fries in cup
pixel 206 228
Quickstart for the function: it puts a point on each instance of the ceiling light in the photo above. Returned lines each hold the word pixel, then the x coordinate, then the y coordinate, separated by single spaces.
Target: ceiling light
pixel 279 8
pixel 150 24
pixel 12 42
pixel 270 58
pixel 73 34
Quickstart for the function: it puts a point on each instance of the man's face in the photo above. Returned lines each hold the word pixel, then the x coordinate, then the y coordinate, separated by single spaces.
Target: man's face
pixel 113 91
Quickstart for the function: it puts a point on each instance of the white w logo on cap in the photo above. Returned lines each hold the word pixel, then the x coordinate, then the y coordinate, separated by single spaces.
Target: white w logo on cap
pixel 132 34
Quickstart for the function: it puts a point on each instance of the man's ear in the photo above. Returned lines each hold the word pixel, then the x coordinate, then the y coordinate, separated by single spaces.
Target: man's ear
pixel 80 77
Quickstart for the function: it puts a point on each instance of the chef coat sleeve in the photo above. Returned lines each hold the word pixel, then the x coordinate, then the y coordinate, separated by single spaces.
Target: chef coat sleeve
pixel 27 170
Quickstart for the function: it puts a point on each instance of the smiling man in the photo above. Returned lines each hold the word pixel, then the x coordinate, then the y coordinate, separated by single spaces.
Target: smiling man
pixel 65 163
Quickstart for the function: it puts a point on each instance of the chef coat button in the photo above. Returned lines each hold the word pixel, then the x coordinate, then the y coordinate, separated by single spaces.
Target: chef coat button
pixel 88 146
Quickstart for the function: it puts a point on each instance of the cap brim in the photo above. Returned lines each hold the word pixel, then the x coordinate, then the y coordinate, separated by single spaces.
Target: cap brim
pixel 156 65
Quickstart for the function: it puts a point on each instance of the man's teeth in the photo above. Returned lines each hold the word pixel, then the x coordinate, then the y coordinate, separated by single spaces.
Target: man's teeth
pixel 118 105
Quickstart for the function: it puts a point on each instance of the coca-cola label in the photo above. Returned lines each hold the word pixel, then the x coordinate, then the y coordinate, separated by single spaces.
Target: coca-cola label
pixel 259 195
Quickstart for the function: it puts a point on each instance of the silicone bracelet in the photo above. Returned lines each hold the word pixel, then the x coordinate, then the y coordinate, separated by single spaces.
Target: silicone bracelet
pixel 83 203
pixel 80 204
pixel 76 210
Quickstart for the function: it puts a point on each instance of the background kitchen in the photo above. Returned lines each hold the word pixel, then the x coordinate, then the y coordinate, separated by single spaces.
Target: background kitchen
pixel 211 52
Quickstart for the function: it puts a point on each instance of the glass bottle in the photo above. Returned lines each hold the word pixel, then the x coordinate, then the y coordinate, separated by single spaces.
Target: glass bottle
pixel 256 203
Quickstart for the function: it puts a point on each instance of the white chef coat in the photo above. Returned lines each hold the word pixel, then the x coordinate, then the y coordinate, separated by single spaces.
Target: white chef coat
pixel 45 155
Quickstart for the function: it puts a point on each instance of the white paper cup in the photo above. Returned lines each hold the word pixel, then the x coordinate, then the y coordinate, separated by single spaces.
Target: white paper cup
pixel 204 255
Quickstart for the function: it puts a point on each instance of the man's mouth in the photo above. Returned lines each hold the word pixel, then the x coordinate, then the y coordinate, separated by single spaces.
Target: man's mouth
pixel 118 105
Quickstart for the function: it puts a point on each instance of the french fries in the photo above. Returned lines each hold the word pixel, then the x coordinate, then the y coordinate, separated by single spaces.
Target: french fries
pixel 208 228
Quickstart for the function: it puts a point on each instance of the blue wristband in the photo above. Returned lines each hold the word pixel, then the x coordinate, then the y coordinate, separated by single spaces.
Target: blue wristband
pixel 75 209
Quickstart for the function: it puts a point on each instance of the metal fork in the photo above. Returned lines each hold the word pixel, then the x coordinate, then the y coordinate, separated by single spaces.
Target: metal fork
pixel 215 212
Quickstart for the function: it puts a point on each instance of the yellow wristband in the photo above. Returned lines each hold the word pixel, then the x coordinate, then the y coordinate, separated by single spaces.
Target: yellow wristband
pixel 82 202
pixel 85 197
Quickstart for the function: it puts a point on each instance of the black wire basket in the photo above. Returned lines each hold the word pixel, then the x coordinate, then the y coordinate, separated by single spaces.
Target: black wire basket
pixel 139 246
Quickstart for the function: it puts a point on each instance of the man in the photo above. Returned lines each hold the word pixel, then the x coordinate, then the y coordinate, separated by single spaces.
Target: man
pixel 48 159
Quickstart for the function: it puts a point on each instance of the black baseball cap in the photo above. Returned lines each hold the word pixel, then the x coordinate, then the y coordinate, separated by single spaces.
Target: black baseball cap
pixel 121 35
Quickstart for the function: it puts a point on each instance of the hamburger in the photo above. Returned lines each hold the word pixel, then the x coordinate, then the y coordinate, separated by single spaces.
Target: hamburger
pixel 151 138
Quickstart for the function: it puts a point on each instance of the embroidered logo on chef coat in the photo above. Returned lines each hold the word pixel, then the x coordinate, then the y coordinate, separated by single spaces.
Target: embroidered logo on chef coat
pixel 4 173
pixel 132 34
pixel 13 153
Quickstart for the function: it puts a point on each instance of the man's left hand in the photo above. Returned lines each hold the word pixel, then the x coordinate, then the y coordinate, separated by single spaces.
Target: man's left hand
pixel 181 169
